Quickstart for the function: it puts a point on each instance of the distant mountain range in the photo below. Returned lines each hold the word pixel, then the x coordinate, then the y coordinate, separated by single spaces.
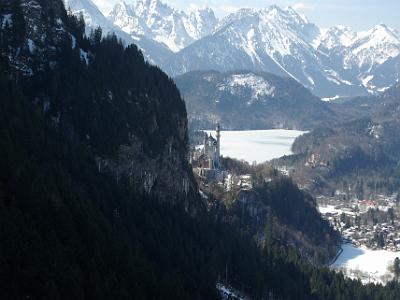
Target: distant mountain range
pixel 332 63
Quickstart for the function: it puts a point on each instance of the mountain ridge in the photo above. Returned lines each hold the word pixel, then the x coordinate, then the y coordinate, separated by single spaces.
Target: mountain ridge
pixel 333 63
pixel 244 100
pixel 157 20
pixel 282 42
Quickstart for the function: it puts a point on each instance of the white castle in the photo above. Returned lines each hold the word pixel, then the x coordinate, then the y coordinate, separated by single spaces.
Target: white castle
pixel 206 159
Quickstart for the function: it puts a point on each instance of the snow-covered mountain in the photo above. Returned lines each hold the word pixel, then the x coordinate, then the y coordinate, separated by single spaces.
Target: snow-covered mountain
pixel 155 52
pixel 362 49
pixel 371 56
pixel 331 62
pixel 91 14
pixel 158 21
pixel 334 62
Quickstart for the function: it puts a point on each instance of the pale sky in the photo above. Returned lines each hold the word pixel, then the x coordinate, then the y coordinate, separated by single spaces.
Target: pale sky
pixel 357 14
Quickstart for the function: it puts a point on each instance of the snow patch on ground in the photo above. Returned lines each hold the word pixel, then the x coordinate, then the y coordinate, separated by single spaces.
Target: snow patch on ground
pixel 333 76
pixel 383 89
pixel 367 79
pixel 31 46
pixel 258 85
pixel 310 80
pixel 227 292
pixel 251 46
pixel 7 20
pixel 330 98
pixel 73 40
pixel 329 209
pixel 84 56
pixel 257 145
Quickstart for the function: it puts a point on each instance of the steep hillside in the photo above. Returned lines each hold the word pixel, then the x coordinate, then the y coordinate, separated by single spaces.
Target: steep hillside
pixel 359 158
pixel 273 211
pixel 251 100
pixel 379 108
pixel 124 118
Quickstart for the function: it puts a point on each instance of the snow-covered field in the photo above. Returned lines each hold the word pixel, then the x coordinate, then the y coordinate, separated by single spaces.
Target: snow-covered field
pixel 329 209
pixel 324 209
pixel 366 264
pixel 257 145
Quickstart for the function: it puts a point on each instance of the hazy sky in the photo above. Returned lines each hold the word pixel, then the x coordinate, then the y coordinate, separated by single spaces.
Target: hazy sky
pixel 358 14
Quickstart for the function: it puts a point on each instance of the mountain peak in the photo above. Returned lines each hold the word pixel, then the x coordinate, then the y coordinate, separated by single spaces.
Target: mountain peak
pixel 274 11
pixel 335 37
pixel 291 11
pixel 274 8
pixel 341 28
pixel 379 34
pixel 384 30
pixel 243 12
pixel 157 4
pixel 92 15
pixel 203 11
pixel 121 5
pixel 156 20
pixel 382 26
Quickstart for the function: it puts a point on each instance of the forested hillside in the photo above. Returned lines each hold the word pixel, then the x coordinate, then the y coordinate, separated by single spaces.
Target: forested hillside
pixel 243 100
pixel 360 157
pixel 275 210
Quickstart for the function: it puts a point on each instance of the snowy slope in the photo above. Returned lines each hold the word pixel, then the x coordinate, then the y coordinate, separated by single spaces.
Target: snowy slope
pixel 153 51
pixel 158 21
pixel 371 56
pixel 256 87
pixel 92 15
pixel 371 50
pixel 373 47
pixel 335 37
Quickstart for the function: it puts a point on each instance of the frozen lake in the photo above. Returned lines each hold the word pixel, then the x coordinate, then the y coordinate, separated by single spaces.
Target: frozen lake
pixel 257 145
pixel 366 264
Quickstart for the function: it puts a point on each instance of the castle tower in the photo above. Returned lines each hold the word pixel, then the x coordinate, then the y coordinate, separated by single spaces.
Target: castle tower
pixel 205 148
pixel 218 154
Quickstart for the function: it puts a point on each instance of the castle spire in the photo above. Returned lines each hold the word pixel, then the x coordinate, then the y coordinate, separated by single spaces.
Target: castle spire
pixel 218 154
